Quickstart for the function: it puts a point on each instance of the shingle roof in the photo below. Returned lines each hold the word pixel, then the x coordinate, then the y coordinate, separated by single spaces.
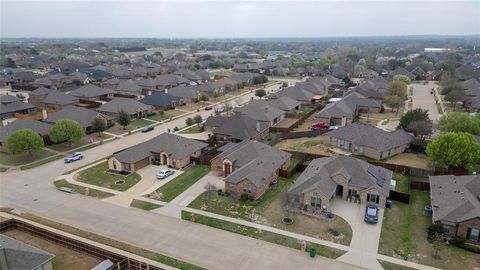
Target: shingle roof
pixel 216 121
pixel 455 198
pixel 471 84
pixel 90 90
pixel 20 256
pixel 159 99
pixel 320 171
pixel 41 91
pixel 254 160
pixel 347 106
pixel 177 147
pixel 26 123
pixel 284 103
pixel 126 86
pixel 184 92
pixel 367 135
pixel 81 115
pixel 11 104
pixel 294 93
pixel 259 110
pixel 59 98
pixel 241 127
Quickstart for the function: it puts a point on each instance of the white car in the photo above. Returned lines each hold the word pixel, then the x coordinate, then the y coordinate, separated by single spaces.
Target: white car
pixel 165 173
pixel 219 109
pixel 73 157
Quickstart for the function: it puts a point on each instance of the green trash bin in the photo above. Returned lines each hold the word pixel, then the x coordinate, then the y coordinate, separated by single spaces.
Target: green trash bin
pixel 312 252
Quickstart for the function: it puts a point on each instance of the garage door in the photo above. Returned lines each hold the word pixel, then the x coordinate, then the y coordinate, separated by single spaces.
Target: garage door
pixel 142 163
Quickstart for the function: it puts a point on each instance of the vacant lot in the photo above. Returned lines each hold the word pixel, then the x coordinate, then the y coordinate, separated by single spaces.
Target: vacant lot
pixel 313 145
pixel 15 160
pixel 404 234
pixel 64 258
pixel 98 175
pixel 271 209
pixel 411 159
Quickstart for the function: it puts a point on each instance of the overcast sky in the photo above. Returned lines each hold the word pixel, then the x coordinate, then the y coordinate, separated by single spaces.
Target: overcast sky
pixel 225 18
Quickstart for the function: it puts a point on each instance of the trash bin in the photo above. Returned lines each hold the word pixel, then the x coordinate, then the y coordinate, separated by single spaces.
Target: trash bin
pixel 388 204
pixel 312 252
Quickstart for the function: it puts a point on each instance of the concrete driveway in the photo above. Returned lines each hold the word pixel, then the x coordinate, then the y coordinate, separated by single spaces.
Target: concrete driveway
pixel 365 238
pixel 149 182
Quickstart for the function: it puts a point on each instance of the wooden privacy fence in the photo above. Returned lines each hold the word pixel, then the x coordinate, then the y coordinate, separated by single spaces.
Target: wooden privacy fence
pixel 399 196
pixel 121 262
pixel 299 121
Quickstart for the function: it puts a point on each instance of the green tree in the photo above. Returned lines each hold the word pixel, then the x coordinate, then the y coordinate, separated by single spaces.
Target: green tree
pixel 189 121
pixel 396 88
pixel 259 79
pixel 459 122
pixel 197 119
pixel 260 93
pixel 24 141
pixel 123 119
pixel 457 149
pixel 203 97
pixel 98 125
pixel 66 130
pixel 413 116
pixel 394 102
pixel 216 95
pixel 403 79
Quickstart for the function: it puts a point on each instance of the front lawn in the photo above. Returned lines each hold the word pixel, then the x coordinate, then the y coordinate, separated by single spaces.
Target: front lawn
pixel 392 266
pixel 98 175
pixel 15 160
pixel 166 115
pixel 144 205
pixel 192 130
pixel 180 183
pixel 138 123
pixel 404 234
pixel 41 162
pixel 269 210
pixel 82 190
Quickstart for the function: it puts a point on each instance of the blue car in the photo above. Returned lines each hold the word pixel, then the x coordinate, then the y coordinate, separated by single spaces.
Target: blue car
pixel 371 214
pixel 147 129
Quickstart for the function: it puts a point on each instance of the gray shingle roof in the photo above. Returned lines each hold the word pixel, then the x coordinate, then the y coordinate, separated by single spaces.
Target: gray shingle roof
pixel 126 86
pixel 20 256
pixel 184 92
pixel 41 91
pixel 26 123
pixel 253 160
pixel 241 127
pixel 284 103
pixel 59 98
pixel 259 110
pixel 90 90
pixel 11 104
pixel 320 171
pixel 130 106
pixel 455 198
pixel 159 99
pixel 348 106
pixel 367 135
pixel 177 147
pixel 294 93
pixel 471 84
pixel 81 115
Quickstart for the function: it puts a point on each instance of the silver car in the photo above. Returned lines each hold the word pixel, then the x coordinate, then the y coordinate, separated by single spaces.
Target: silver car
pixel 165 173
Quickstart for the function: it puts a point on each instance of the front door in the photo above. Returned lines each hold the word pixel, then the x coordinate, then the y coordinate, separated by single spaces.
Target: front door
pixel 340 190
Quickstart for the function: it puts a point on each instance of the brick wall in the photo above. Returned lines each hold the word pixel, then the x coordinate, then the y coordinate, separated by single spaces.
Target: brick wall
pixel 463 227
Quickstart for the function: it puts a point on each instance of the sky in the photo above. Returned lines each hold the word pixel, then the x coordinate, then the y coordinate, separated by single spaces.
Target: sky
pixel 236 19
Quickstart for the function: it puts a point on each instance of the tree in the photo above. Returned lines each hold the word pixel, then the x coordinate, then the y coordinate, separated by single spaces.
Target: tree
pixel 260 93
pixel 66 130
pixel 24 141
pixel 197 119
pixel 421 128
pixel 396 88
pixel 11 63
pixel 216 95
pixel 189 121
pixel 98 125
pixel 413 116
pixel 123 119
pixel 259 79
pixel 457 149
pixel 459 122
pixel 454 96
pixel 394 102
pixel 203 97
pixel 403 79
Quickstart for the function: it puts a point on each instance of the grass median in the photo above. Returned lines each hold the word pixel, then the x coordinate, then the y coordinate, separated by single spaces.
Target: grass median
pixel 144 205
pixel 82 190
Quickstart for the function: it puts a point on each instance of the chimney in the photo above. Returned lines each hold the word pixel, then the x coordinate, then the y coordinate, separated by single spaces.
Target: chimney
pixel 44 114
pixel 257 126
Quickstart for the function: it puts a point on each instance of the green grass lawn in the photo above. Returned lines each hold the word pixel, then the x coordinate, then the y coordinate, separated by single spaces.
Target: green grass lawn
pixel 404 233
pixel 165 116
pixel 402 182
pixel 262 235
pixel 392 266
pixel 98 175
pixel 3 169
pixel 181 183
pixel 270 137
pixel 293 163
pixel 82 190
pixel 138 123
pixel 193 129
pixel 41 162
pixel 15 160
pixel 144 205
pixel 304 111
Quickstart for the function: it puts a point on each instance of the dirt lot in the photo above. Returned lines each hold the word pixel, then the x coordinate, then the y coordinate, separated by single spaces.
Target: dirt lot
pixel 287 122
pixel 411 159
pixel 64 257
pixel 313 145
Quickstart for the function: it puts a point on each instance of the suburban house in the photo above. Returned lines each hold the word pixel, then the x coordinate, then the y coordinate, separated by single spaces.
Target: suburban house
pixel 249 167
pixel 295 93
pixel 286 104
pixel 161 100
pixel 12 104
pixel 369 141
pixel 237 128
pixel 330 178
pixel 344 111
pixel 166 81
pixel 189 93
pixel 402 71
pixel 37 96
pixel 261 111
pixel 111 83
pixel 84 117
pixel 456 205
pixel 165 149
pixel 16 255
pixel 56 100
pixel 39 127
pixel 92 92
pixel 132 107
pixel 373 88
pixel 127 88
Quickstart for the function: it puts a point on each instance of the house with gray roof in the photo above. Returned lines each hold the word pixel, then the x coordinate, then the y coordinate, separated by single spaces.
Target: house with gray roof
pixel 369 141
pixel 26 123
pixel 261 111
pixel 338 178
pixel 10 105
pixel 161 100
pixel 36 96
pixel 92 92
pixel 166 81
pixel 132 107
pixel 16 255
pixel 165 149
pixel 240 127
pixel 249 167
pixel 84 117
pixel 285 104
pixel 56 100
pixel 296 93
pixel 127 89
pixel 188 93
pixel 456 205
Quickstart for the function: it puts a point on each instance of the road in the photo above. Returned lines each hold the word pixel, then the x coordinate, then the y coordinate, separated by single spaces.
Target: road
pixel 424 100
pixel 33 191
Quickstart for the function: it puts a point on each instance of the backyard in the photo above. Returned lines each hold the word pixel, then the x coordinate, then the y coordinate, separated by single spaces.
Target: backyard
pixel 270 210
pixel 404 234
pixel 98 176
pixel 180 183
pixel 312 145
pixel 411 159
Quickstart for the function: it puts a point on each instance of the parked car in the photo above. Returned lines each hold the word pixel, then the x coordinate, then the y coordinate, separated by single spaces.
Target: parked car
pixel 165 173
pixel 219 109
pixel 208 108
pixel 147 129
pixel 319 125
pixel 333 127
pixel 371 214
pixel 15 90
pixel 73 157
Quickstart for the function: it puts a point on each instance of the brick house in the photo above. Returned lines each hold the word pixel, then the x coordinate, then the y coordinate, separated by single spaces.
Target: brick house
pixel 249 167
pixel 236 128
pixel 332 178
pixel 456 205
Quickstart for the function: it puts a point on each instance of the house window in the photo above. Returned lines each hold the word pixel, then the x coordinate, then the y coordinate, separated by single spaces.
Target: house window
pixel 373 198
pixel 126 166
pixel 156 157
pixel 114 164
pixel 473 234
pixel 315 202
pixel 247 190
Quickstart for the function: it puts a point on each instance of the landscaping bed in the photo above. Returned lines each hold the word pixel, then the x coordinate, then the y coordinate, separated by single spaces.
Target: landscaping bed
pixel 98 175
pixel 82 190
pixel 404 235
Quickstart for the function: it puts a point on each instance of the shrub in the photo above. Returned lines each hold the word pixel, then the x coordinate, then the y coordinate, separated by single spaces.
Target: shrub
pixel 176 129
pixel 434 230
pixel 457 241
pixel 161 112
pixel 151 113
pixel 245 197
